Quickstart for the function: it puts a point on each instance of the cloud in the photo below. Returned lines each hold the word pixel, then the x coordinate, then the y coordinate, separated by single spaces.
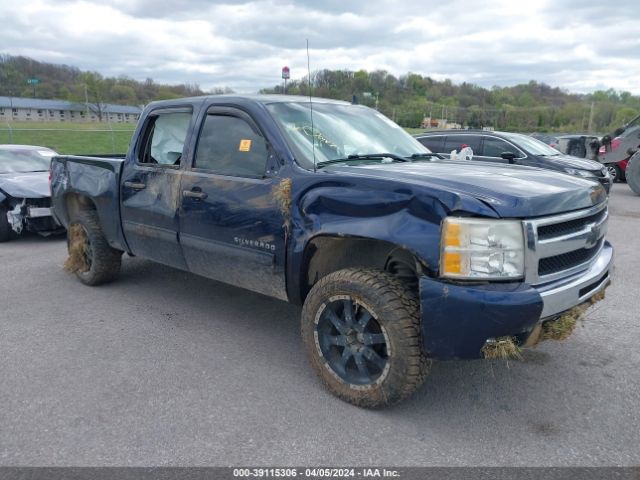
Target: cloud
pixel 578 45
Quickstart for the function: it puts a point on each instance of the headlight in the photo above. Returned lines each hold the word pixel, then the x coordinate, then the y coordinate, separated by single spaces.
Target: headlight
pixel 480 249
pixel 579 173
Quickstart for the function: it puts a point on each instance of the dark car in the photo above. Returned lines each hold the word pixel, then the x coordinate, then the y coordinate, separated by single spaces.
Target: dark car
pixel 550 140
pixel 588 146
pixel 25 200
pixel 515 148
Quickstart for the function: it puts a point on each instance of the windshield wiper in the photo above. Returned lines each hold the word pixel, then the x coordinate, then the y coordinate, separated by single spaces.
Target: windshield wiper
pixel 417 156
pixel 367 156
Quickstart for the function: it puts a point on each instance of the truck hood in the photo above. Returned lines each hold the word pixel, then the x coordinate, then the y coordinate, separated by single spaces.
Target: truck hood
pixel 25 185
pixel 511 191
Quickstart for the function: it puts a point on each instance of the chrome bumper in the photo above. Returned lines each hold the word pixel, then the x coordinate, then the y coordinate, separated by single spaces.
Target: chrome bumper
pixel 567 293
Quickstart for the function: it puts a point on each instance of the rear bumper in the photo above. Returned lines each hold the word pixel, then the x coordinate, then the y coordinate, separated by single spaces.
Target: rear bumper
pixel 457 319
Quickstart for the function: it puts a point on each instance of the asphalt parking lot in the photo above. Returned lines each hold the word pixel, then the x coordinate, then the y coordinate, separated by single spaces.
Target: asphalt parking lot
pixel 167 368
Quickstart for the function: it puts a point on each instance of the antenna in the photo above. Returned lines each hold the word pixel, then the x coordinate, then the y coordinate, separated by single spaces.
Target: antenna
pixel 313 133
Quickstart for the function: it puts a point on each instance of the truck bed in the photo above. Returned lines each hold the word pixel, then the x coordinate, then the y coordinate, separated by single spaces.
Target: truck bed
pixel 93 177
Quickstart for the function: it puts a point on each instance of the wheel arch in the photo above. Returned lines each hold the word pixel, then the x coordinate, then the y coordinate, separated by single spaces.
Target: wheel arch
pixel 328 253
pixel 75 202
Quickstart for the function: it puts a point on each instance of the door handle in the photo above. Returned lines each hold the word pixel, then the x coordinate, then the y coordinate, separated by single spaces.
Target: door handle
pixel 135 185
pixel 194 194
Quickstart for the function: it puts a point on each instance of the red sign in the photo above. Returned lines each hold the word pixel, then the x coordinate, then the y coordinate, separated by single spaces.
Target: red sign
pixel 285 73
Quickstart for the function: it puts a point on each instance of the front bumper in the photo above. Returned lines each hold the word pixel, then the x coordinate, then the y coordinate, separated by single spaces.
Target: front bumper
pixel 34 216
pixel 457 319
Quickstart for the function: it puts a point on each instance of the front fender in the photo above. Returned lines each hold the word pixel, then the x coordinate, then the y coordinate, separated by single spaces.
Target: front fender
pixel 401 217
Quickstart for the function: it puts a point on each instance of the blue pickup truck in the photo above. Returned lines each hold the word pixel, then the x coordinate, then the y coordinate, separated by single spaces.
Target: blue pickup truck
pixel 396 255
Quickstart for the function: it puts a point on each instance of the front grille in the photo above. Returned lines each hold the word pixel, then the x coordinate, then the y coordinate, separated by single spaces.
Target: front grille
pixel 565 261
pixel 558 229
pixel 563 245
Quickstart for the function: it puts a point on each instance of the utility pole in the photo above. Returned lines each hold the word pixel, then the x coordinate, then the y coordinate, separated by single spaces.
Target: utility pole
pixel 590 118
pixel 86 102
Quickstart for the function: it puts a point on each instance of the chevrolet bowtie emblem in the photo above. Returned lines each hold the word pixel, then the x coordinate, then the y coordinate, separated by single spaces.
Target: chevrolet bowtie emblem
pixel 593 235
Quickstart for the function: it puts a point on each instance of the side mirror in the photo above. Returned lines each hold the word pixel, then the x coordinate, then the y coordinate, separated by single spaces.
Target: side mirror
pixel 508 156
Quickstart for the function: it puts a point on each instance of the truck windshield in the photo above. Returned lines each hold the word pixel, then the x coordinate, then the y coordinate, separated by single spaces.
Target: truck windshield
pixel 21 160
pixel 340 131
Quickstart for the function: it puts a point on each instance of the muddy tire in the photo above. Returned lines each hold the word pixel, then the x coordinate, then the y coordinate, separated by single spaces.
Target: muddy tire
pixel 99 263
pixel 361 331
pixel 633 173
pixel 5 228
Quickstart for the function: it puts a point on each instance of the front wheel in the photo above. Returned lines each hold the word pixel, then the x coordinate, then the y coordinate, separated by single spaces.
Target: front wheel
pixel 361 331
pixel 614 172
pixel 91 257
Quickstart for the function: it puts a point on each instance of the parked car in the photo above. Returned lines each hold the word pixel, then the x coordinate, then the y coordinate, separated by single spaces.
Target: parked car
pixel 396 257
pixel 550 140
pixel 619 147
pixel 588 146
pixel 514 148
pixel 25 199
pixel 577 145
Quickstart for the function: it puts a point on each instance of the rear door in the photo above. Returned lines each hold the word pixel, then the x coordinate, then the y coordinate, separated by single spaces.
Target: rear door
pixel 150 187
pixel 231 228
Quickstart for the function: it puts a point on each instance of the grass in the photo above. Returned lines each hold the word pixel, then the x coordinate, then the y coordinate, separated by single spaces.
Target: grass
pixel 413 131
pixel 70 138
pixel 502 348
pixel 282 195
pixel 76 261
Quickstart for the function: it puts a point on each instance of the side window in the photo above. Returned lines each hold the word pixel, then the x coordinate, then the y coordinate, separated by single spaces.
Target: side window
pixel 164 138
pixel 435 143
pixel 229 146
pixel 455 142
pixel 494 147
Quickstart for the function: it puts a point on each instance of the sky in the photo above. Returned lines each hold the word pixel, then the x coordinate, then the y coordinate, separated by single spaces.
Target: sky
pixel 578 45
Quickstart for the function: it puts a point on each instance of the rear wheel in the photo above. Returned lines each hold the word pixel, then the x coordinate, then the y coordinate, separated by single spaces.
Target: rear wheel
pixel 361 331
pixel 5 228
pixel 91 257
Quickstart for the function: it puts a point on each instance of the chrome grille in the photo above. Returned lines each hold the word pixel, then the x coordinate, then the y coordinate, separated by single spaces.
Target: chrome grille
pixel 558 229
pixel 562 245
